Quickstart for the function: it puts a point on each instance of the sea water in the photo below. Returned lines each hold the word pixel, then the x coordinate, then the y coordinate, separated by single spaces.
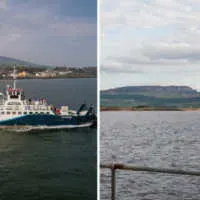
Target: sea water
pixel 163 139
pixel 58 164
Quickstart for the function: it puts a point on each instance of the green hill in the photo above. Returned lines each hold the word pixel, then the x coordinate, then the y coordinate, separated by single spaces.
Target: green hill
pixel 8 61
pixel 151 96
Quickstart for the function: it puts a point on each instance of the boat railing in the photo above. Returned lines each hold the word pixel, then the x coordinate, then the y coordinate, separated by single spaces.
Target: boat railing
pixel 115 166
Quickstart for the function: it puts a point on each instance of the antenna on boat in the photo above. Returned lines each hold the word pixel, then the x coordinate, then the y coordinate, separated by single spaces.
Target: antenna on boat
pixel 14 78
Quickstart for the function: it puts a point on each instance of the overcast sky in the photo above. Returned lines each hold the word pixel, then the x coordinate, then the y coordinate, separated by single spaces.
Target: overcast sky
pixel 55 32
pixel 150 42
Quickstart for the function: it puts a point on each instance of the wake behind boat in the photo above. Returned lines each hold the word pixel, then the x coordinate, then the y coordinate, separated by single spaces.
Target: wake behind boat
pixel 17 111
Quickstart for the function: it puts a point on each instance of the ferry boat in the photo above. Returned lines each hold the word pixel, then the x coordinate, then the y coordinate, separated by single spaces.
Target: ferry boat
pixel 18 112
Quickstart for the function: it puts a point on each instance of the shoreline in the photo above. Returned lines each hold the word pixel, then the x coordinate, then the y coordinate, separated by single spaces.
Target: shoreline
pixel 104 109
pixel 2 79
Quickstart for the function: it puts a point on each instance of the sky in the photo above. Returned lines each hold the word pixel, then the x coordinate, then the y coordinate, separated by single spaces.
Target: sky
pixel 52 32
pixel 150 42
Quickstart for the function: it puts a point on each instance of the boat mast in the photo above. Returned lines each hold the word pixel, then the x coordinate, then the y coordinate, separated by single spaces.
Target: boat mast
pixel 14 78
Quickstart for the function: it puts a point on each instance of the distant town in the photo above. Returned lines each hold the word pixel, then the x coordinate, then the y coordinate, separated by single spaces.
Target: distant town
pixel 35 72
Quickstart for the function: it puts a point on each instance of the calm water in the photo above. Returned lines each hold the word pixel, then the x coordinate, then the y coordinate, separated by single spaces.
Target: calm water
pixel 51 164
pixel 155 139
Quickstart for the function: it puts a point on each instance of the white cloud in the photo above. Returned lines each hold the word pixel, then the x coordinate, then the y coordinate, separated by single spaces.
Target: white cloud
pixel 178 16
pixel 150 35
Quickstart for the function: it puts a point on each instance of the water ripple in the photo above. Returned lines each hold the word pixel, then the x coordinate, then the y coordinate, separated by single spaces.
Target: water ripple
pixel 156 139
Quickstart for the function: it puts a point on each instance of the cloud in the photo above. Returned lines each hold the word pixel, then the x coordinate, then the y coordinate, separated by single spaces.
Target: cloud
pixel 150 42
pixel 153 32
pixel 181 52
pixel 113 69
pixel 44 34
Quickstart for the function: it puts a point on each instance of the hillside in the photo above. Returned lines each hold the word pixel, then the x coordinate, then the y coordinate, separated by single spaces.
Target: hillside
pixel 4 61
pixel 151 96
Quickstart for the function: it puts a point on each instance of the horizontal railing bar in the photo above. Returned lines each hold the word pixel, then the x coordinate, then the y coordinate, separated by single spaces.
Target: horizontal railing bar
pixel 149 169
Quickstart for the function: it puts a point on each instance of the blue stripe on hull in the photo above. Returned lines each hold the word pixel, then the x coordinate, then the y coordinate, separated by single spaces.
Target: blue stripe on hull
pixel 46 120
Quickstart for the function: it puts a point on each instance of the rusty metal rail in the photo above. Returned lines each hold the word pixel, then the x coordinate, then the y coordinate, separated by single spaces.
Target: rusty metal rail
pixel 114 167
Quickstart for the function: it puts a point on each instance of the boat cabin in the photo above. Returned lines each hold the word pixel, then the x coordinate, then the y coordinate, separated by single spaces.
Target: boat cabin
pixel 16 93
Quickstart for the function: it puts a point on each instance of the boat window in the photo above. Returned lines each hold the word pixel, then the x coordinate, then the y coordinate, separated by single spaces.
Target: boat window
pixel 30 112
pixel 8 113
pixel 14 113
pixel 2 113
pixel 14 103
pixel 14 97
pixel 41 112
pixel 25 113
pixel 19 113
pixel 47 112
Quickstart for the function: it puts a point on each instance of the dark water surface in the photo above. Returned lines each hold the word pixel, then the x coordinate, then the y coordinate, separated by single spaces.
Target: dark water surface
pixel 72 92
pixel 155 139
pixel 51 164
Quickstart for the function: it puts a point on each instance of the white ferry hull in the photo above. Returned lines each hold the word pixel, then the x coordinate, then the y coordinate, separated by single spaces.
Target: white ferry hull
pixel 18 127
pixel 17 111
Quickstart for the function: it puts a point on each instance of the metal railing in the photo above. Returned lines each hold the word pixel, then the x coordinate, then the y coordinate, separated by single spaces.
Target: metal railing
pixel 115 167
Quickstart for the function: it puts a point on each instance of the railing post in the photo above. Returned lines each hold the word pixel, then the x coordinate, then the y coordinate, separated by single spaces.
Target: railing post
pixel 116 166
pixel 113 183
